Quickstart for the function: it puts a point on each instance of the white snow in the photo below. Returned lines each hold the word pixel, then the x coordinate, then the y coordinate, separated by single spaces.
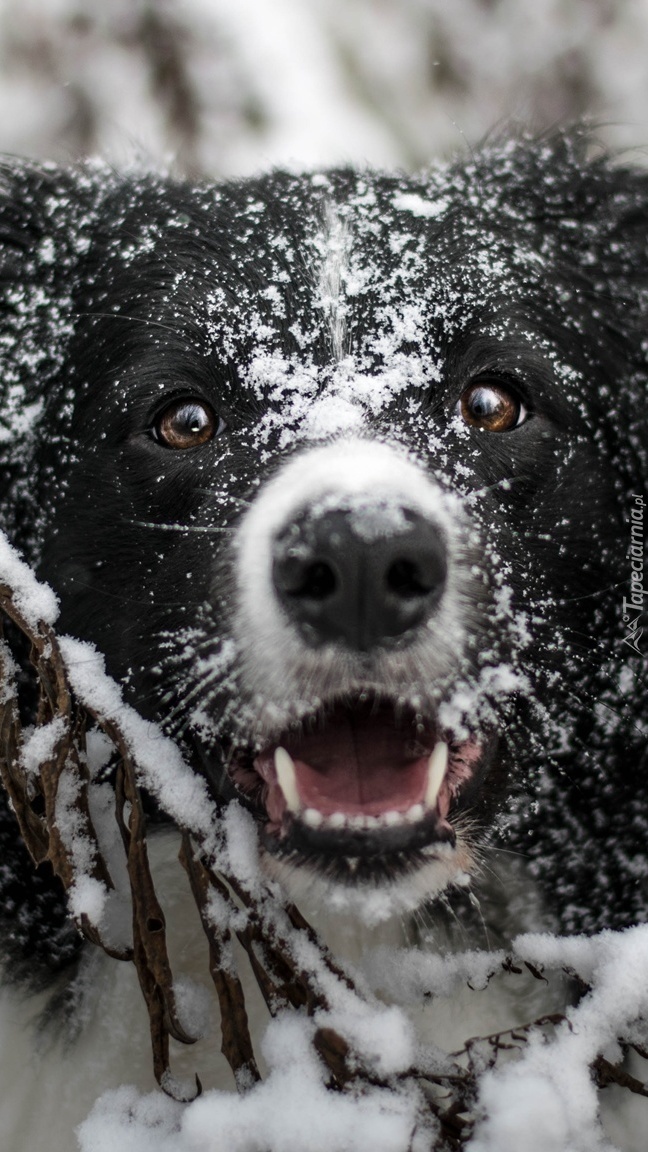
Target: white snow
pixel 429 209
pixel 544 1100
pixel 181 792
pixel 289 1112
pixel 39 744
pixel 407 974
pixel 34 599
pixel 547 1100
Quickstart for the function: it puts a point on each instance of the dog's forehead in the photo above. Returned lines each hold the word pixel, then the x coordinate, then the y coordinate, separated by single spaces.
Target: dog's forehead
pixel 340 288
pixel 326 296
pixel 335 258
pixel 339 321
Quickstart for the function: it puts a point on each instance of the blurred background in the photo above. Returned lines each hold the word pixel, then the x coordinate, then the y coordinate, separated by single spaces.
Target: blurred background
pixel 224 87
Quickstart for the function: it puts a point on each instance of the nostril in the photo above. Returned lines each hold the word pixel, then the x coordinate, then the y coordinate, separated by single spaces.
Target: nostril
pixel 304 579
pixel 318 582
pixel 408 580
pixel 338 582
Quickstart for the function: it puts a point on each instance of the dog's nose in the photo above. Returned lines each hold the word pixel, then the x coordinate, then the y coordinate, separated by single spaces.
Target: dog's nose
pixel 362 577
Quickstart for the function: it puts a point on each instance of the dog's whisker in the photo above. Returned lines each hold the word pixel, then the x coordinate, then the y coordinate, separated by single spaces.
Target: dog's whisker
pixel 184 703
pixel 101 591
pixel 224 498
pixel 209 530
pixel 128 319
pixel 506 482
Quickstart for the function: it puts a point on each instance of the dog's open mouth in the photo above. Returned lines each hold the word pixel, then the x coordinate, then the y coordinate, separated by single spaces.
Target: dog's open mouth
pixel 363 779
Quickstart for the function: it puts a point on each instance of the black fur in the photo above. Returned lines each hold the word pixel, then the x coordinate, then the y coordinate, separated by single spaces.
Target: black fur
pixel 119 293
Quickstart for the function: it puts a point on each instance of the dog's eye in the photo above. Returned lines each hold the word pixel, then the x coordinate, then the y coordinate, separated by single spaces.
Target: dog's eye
pixel 186 424
pixel 491 405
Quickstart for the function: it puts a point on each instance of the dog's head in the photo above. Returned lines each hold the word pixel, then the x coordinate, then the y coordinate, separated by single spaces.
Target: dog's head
pixel 337 471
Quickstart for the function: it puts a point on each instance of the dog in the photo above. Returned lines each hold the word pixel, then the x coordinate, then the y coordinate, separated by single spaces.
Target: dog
pixel 344 474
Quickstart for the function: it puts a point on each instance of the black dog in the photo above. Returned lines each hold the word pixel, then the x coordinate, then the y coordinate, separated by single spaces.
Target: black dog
pixel 339 472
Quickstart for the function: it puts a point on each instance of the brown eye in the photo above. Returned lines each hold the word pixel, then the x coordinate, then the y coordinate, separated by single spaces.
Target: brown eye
pixel 186 424
pixel 491 406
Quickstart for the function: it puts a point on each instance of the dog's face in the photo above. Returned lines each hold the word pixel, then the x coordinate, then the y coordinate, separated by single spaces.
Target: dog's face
pixel 336 476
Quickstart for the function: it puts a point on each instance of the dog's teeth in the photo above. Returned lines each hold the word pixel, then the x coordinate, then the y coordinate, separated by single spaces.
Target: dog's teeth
pixel 312 817
pixel 415 813
pixel 287 779
pixel 437 769
pixel 390 819
pixel 336 820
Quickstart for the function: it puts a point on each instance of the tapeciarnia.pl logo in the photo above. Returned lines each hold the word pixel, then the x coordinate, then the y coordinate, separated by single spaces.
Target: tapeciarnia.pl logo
pixel 633 605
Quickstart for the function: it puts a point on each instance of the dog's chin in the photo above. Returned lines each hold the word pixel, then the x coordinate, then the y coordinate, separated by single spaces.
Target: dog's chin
pixel 368 896
pixel 365 803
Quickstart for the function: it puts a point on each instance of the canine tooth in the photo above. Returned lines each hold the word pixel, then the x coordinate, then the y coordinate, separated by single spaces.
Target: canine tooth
pixel 312 817
pixel 415 813
pixel 287 778
pixel 437 769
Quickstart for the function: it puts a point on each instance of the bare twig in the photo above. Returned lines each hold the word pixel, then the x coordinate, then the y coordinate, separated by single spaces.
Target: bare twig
pixel 237 1043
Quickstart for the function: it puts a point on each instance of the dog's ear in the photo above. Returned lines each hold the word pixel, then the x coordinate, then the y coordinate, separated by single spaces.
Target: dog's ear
pixel 44 223
pixel 586 215
pixel 604 238
pixel 573 200
pixel 38 207
pixel 602 216
pixel 614 238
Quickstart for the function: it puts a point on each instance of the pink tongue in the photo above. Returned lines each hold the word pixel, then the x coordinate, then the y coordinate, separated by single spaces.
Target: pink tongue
pixel 359 763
